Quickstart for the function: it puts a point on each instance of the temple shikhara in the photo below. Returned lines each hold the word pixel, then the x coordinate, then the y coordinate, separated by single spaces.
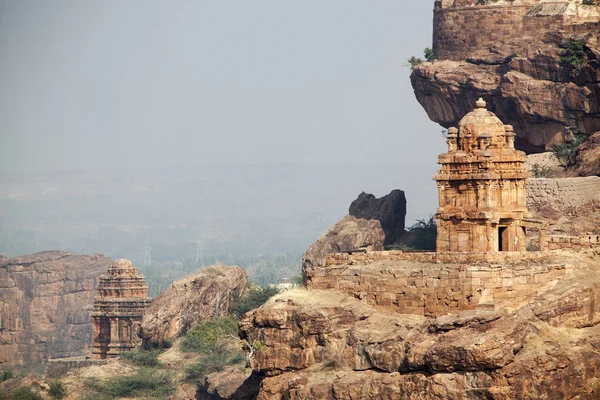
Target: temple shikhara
pixel 118 310
pixel 482 188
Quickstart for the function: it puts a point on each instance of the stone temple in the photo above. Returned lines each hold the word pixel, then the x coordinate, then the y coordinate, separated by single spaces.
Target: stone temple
pixel 482 188
pixel 118 310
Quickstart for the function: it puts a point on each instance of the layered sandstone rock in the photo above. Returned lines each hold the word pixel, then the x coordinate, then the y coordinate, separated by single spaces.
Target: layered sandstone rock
pixel 370 224
pixel 323 344
pixel 45 299
pixel 190 300
pixel 510 53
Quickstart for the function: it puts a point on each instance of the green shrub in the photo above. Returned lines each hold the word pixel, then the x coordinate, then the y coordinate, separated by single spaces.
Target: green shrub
pixel 24 394
pixel 256 298
pixel 145 383
pixel 6 375
pixel 143 358
pixel 567 152
pixel 414 61
pixel 424 234
pixel 540 171
pixel 205 336
pixel 211 362
pixel 215 360
pixel 574 55
pixel 57 390
pixel 429 56
pixel 236 359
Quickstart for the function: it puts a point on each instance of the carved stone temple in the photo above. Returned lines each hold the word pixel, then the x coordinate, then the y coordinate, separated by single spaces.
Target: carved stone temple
pixel 482 188
pixel 118 310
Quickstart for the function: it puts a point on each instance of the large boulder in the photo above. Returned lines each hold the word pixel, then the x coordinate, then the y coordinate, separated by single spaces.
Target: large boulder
pixel 191 300
pixel 531 78
pixel 326 345
pixel 371 224
pixel 45 299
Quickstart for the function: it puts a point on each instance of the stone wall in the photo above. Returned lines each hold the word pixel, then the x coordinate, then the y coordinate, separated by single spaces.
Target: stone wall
pixel 460 28
pixel 565 194
pixel 457 32
pixel 572 242
pixel 439 283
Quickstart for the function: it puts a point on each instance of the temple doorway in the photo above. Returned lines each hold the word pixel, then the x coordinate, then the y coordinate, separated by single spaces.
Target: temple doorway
pixel 503 238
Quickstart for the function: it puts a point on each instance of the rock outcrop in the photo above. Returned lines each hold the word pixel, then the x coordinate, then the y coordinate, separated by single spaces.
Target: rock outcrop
pixel 190 300
pixel 517 56
pixel 571 205
pixel 588 158
pixel 371 224
pixel 45 299
pixel 323 344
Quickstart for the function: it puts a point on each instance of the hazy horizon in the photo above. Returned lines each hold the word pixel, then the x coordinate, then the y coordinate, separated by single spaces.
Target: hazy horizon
pixel 142 84
pixel 248 127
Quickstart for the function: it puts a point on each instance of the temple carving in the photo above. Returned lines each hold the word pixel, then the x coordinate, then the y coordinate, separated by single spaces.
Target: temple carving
pixel 118 310
pixel 482 188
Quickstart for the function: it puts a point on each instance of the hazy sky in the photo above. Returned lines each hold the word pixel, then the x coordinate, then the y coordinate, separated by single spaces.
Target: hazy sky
pixel 136 84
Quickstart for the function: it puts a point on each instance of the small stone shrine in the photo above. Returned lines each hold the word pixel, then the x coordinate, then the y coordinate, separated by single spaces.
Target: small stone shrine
pixel 118 310
pixel 482 187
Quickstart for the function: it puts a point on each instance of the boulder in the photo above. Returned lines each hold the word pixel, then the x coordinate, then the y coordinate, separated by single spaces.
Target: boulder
pixel 188 301
pixel 525 79
pixel 371 224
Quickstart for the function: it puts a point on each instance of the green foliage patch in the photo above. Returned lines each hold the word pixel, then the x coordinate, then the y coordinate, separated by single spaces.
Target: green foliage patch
pixel 540 171
pixel 147 382
pixel 6 375
pixel 424 233
pixel 427 53
pixel 574 55
pixel 205 336
pixel 142 358
pixel 256 298
pixel 567 152
pixel 57 390
pixel 213 361
pixel 22 394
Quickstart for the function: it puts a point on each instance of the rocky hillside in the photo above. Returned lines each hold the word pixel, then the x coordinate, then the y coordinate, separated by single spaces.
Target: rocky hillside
pixel 535 63
pixel 188 301
pixel 44 303
pixel 325 345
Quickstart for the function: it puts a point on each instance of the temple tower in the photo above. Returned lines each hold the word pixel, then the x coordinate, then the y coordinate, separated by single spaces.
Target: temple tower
pixel 118 310
pixel 481 187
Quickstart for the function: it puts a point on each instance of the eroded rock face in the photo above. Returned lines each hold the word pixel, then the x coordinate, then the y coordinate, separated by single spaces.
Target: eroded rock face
pixel 45 299
pixel 370 224
pixel 588 158
pixel 570 205
pixel 510 53
pixel 190 300
pixel 321 344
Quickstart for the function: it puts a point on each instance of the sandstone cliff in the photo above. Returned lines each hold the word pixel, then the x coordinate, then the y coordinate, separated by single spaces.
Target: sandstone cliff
pixel 371 224
pixel 44 303
pixel 190 300
pixel 322 344
pixel 516 55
